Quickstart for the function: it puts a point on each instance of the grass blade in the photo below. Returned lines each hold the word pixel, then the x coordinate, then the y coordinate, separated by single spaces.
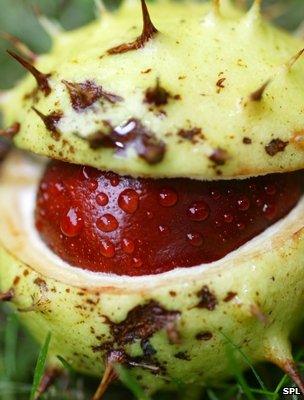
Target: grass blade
pixel 230 350
pixel 212 395
pixel 10 343
pixel 127 379
pixel 247 360
pixel 40 366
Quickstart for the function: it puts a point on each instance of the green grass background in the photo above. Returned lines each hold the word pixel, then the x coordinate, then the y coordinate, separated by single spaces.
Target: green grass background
pixel 18 352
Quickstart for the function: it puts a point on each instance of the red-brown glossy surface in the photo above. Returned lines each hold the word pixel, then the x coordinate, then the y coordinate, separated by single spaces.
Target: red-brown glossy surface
pixel 103 222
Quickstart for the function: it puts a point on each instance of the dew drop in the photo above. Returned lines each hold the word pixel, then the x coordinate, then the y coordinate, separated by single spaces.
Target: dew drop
pixel 270 190
pixel 228 218
pixel 107 248
pixel 149 214
pixel 163 229
pixel 114 181
pixel 107 223
pixel 259 202
pixel 252 187
pixel 215 194
pixel 243 203
pixel 198 211
pixel 241 226
pixel 93 185
pixel 269 211
pixel 128 246
pixel 137 262
pixel 167 197
pixel 128 201
pixel 71 223
pixel 102 199
pixel 195 239
pixel 59 187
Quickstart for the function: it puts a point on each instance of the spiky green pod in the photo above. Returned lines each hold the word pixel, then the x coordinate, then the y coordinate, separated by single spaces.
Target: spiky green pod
pixel 196 86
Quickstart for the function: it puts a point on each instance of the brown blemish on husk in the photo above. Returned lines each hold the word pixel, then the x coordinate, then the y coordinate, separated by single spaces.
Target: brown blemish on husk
pixel 247 140
pixel 85 94
pixel 159 96
pixel 220 84
pixel 275 146
pixel 230 296
pixel 11 131
pixel 192 134
pixel 207 298
pixel 41 78
pixel 219 156
pixel 182 355
pixel 148 32
pixel 50 121
pixel 204 336
pixel 142 322
pixel 133 134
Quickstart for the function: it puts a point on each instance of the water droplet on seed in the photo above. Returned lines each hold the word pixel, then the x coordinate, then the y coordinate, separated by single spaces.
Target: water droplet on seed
pixel 163 229
pixel 167 197
pixel 107 223
pixel 102 199
pixel 128 246
pixel 243 203
pixel 107 248
pixel 128 201
pixel 198 211
pixel 114 181
pixel 195 239
pixel 270 189
pixel 137 262
pixel 71 223
pixel 228 218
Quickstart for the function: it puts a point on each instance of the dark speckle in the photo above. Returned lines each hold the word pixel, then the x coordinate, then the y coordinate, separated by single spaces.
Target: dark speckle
pixel 247 140
pixel 220 84
pixel 16 280
pixel 159 96
pixel 142 322
pixel 182 355
pixel 207 300
pixel 230 296
pixel 191 134
pixel 204 336
pixel 219 156
pixel 275 146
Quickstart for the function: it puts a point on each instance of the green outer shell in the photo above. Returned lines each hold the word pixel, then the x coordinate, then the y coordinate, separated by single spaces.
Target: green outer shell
pixel 213 59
